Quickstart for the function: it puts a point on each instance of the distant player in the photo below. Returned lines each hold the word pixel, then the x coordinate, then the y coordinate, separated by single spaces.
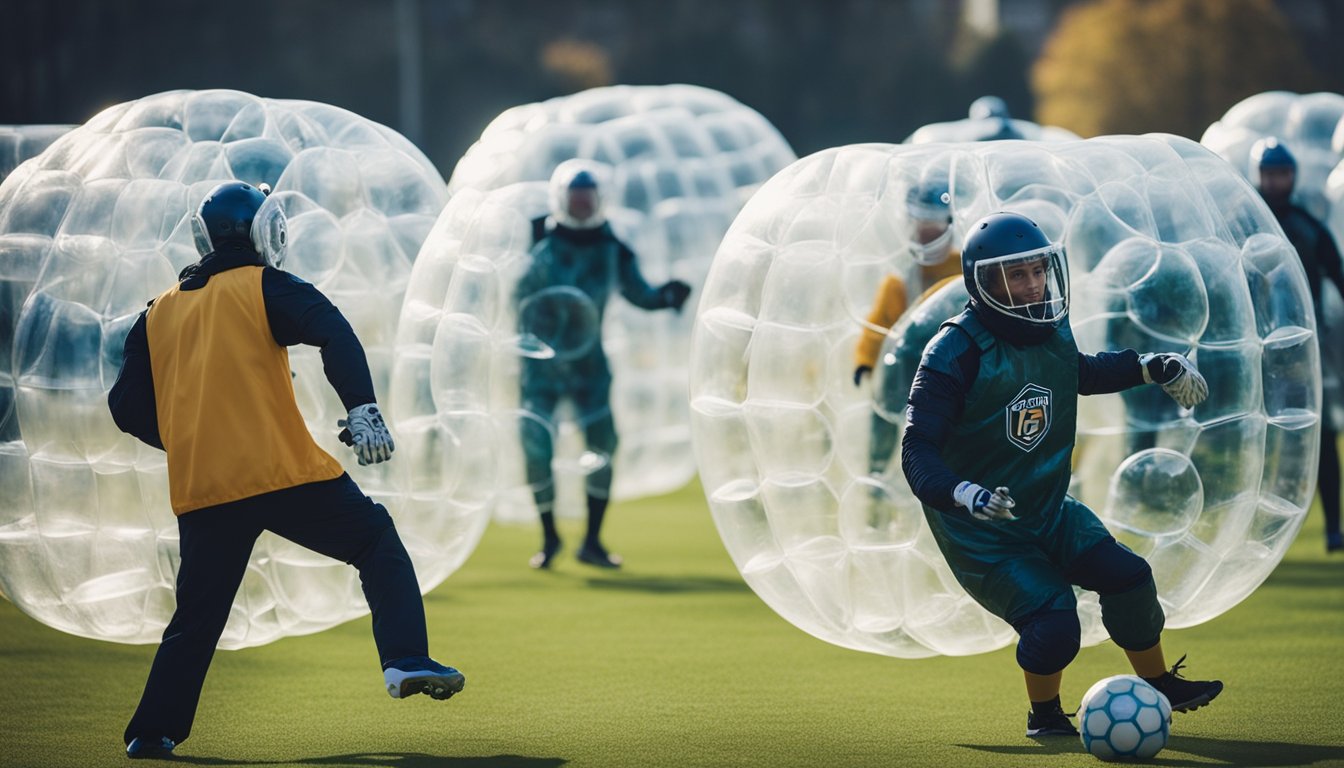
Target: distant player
pixel 575 248
pixel 993 108
pixel 1320 258
pixel 929 216
pixel 990 430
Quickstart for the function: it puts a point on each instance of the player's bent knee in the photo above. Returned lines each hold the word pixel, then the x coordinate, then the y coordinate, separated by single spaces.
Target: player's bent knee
pixel 1134 618
pixel 1048 641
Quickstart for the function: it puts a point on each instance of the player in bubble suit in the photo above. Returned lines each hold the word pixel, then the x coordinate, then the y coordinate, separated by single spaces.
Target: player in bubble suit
pixel 993 108
pixel 1320 258
pixel 994 406
pixel 574 247
pixel 206 379
pixel 930 216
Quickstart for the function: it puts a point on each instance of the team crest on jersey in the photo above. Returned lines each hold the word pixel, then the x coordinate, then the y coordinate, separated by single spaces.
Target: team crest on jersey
pixel 1029 416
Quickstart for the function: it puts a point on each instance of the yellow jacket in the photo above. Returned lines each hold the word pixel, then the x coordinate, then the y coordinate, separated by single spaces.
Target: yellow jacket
pixel 891 302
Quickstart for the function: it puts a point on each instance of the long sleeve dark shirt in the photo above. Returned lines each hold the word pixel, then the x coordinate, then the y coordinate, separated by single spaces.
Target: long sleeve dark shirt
pixel 937 401
pixel 297 313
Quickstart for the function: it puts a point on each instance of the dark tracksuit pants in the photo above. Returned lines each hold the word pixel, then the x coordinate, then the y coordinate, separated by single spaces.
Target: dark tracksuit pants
pixel 332 517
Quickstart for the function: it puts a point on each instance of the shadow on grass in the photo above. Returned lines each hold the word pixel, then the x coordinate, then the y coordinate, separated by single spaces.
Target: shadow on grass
pixel 1317 573
pixel 392 759
pixel 1263 754
pixel 671 584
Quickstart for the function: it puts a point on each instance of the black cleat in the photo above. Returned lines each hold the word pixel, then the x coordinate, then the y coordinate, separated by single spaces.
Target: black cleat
pixel 1334 542
pixel 543 559
pixel 144 748
pixel 596 554
pixel 1051 721
pixel 1185 695
pixel 421 674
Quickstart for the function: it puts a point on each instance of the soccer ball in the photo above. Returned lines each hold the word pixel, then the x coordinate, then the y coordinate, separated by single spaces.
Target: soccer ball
pixel 1124 718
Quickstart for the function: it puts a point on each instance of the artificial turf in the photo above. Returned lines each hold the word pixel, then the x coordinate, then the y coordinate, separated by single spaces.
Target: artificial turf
pixel 672 661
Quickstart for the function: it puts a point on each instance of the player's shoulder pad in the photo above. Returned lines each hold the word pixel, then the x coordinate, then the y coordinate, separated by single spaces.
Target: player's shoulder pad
pixel 974 330
pixel 946 349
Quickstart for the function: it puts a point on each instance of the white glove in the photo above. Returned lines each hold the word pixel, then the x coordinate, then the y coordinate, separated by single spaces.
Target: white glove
pixel 367 434
pixel 982 504
pixel 1177 376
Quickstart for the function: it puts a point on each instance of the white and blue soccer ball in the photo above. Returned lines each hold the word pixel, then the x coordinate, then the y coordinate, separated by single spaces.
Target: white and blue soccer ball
pixel 1124 718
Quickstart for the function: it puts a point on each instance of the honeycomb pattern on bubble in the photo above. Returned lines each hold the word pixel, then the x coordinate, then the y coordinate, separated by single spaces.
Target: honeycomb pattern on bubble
pixel 96 226
pixel 20 142
pixel 681 161
pixel 987 129
pixel 1169 250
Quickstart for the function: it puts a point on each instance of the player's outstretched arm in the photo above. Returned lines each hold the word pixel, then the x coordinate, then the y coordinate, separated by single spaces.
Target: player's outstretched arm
pixel 1177 376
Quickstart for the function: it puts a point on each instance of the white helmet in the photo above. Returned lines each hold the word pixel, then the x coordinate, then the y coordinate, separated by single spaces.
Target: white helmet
pixel 576 195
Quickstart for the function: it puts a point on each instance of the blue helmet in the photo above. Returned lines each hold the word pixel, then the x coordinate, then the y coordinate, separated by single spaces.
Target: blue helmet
pixel 1269 152
pixel 1017 278
pixel 236 216
pixel 987 107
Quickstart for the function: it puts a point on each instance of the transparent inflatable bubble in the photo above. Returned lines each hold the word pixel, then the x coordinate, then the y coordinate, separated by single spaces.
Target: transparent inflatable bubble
pixel 20 142
pixel 1311 126
pixel 801 466
pixel 678 163
pixel 95 227
pixel 559 324
pixel 1305 123
pixel 987 129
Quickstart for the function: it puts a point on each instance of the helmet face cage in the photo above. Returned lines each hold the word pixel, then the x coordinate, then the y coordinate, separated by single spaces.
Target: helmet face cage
pixel 1031 286
pixel 200 234
pixel 270 232
pixel 927 209
pixel 576 187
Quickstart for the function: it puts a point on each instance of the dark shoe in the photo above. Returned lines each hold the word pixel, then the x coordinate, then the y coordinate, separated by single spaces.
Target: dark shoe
pixel 1334 542
pixel 596 554
pixel 421 674
pixel 150 749
pixel 1185 695
pixel 543 559
pixel 1051 721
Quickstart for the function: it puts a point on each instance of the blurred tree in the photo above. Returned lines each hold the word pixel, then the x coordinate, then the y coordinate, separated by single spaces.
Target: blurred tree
pixel 1173 66
pixel 577 63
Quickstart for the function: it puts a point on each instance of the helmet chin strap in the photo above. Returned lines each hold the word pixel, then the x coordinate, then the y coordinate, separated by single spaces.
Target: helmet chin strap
pixel 935 252
pixel 569 222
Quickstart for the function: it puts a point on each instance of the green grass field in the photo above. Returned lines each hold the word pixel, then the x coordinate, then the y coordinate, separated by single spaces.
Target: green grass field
pixel 671 662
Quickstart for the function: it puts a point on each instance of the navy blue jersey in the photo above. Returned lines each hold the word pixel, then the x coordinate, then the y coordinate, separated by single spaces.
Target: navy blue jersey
pixel 1315 247
pixel 944 379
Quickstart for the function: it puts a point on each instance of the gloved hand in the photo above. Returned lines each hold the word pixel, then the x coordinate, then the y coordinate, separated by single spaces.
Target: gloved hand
pixel 674 293
pixel 367 434
pixel 860 372
pixel 1177 376
pixel 982 504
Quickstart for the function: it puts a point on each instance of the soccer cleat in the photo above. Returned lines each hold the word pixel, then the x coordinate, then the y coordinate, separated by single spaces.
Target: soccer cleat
pixel 595 554
pixel 543 559
pixel 1052 721
pixel 1185 695
pixel 1334 542
pixel 421 674
pixel 145 748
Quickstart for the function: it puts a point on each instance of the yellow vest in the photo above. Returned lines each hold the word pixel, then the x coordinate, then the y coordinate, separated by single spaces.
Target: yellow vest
pixel 225 396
